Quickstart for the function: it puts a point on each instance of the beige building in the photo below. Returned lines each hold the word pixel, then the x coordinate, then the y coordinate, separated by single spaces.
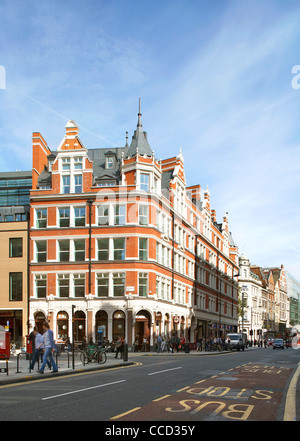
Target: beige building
pixel 13 279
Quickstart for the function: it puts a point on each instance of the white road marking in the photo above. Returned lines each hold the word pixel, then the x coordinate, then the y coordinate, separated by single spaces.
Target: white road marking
pixel 82 390
pixel 166 370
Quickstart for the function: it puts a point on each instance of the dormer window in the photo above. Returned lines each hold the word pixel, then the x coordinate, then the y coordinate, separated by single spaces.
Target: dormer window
pixel 109 163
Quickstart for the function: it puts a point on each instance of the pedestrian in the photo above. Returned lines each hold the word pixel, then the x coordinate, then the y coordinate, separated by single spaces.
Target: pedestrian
pixel 144 346
pixel 122 346
pixel 163 344
pixel 173 343
pixel 67 345
pixel 159 341
pixel 37 339
pixel 48 342
pixel 118 347
pixel 136 344
pixel 32 339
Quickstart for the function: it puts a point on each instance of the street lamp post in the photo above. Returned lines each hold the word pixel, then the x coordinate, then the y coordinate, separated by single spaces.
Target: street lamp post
pixel 73 339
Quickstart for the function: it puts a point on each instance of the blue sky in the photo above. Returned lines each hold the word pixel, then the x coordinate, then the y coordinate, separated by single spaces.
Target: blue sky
pixel 215 78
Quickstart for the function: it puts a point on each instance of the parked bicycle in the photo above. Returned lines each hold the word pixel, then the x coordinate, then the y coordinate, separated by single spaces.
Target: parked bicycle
pixel 93 354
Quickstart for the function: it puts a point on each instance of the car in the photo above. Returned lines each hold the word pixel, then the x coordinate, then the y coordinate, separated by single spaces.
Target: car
pixel 270 341
pixel 278 343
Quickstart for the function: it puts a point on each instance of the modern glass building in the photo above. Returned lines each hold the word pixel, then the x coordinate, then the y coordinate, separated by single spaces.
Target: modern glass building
pixel 14 195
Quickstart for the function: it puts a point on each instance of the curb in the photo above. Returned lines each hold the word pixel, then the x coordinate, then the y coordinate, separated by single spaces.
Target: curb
pixel 63 373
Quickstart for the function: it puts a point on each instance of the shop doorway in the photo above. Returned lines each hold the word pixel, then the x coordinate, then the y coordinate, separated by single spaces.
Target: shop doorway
pixel 101 320
pixel 143 328
pixel 118 325
pixel 79 326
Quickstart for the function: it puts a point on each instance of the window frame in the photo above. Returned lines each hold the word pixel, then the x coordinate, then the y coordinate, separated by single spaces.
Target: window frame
pixel 15 297
pixel 17 248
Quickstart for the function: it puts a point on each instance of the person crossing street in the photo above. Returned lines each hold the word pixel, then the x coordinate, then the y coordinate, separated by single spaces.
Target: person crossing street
pixel 48 342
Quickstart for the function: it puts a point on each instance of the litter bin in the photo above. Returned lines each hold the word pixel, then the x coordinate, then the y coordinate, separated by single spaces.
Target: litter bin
pixel 28 345
pixel 5 343
pixel 187 348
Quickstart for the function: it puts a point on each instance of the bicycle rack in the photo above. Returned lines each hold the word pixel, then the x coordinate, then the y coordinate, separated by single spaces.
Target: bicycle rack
pixel 18 356
pixel 6 359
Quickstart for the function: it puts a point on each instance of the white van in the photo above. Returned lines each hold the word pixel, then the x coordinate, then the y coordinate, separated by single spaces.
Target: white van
pixel 237 341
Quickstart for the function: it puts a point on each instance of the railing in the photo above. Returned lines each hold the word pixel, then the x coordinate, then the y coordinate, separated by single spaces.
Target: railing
pixel 18 361
pixel 6 359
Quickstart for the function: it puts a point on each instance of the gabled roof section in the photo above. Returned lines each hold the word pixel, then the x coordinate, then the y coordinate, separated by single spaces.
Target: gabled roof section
pixel 71 140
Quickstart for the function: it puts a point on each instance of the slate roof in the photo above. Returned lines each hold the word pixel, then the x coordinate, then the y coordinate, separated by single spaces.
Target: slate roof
pixel 139 142
pixel 98 157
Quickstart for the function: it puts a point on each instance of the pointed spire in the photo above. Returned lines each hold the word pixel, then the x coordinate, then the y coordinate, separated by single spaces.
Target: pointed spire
pixel 139 143
pixel 126 145
pixel 139 124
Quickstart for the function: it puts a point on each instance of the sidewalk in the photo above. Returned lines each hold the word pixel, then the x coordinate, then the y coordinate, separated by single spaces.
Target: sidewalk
pixel 18 371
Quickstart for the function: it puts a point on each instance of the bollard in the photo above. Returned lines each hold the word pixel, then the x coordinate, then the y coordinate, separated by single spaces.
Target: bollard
pixel 125 355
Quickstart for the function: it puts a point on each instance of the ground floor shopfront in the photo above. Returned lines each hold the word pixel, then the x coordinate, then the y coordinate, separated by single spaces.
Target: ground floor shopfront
pixel 133 318
pixel 129 318
pixel 207 327
pixel 13 321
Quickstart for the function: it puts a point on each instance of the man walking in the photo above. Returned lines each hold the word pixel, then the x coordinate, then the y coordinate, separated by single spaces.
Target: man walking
pixel 38 344
pixel 48 342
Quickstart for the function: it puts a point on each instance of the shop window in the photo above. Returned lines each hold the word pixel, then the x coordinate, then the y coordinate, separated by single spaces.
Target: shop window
pixel 79 326
pixel 62 326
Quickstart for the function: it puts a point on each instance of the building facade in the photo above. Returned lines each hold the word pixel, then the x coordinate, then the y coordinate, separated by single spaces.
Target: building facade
pixel 118 241
pixel 14 242
pixel 275 307
pixel 254 301
pixel 293 291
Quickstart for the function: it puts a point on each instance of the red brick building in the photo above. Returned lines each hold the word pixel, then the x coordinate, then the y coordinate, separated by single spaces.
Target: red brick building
pixel 119 235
